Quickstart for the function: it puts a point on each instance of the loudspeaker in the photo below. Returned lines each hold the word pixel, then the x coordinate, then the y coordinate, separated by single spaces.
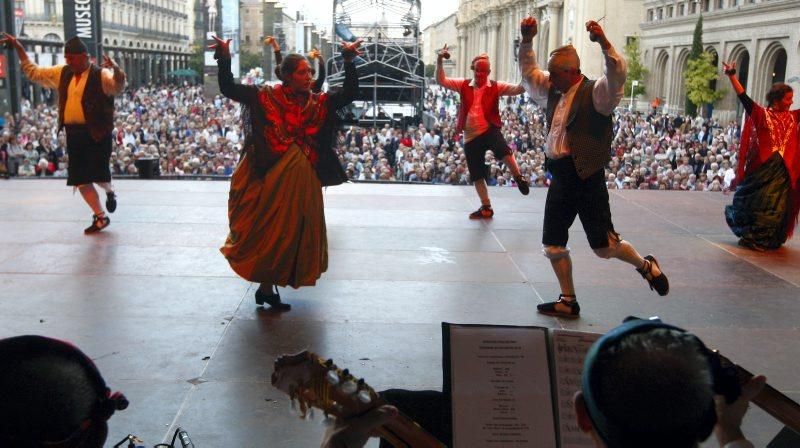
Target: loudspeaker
pixel 148 168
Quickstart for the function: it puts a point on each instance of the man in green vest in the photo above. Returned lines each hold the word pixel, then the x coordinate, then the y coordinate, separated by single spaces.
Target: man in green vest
pixel 578 149
pixel 86 111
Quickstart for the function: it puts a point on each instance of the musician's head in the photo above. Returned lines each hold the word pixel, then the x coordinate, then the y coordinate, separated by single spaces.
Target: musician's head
pixel 53 395
pixel 647 385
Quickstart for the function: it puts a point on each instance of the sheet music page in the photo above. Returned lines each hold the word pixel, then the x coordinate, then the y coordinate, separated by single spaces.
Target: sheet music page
pixel 501 387
pixel 569 351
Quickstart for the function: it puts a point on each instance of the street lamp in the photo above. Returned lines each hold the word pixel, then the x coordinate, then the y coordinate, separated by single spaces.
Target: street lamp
pixel 634 83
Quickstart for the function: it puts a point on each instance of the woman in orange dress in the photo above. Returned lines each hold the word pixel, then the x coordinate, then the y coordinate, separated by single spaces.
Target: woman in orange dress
pixel 275 209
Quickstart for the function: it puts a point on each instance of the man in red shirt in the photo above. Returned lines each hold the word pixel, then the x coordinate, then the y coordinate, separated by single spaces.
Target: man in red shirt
pixel 479 118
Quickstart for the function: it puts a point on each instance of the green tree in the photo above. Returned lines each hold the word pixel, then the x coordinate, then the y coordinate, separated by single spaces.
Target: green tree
pixel 694 54
pixel 249 61
pixel 698 79
pixel 197 61
pixel 430 70
pixel 636 71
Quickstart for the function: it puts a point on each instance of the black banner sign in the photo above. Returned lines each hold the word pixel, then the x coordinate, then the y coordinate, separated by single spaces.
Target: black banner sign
pixel 82 18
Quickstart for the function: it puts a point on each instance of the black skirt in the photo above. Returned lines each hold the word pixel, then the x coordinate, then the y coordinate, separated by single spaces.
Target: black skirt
pixel 88 159
pixel 760 212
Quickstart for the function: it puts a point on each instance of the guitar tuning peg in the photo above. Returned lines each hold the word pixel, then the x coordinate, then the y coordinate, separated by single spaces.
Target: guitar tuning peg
pixel 332 377
pixel 349 387
pixel 361 382
pixel 345 372
pixel 329 362
pixel 364 396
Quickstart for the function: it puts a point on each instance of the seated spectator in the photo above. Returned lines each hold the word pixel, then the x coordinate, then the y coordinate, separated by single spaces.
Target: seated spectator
pixel 644 384
pixel 53 395
pixel 3 158
pixel 62 170
pixel 26 169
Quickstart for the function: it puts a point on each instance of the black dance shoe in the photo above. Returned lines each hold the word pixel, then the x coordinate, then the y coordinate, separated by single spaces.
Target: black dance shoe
pixel 111 202
pixel 568 309
pixel 660 284
pixel 273 300
pixel 98 224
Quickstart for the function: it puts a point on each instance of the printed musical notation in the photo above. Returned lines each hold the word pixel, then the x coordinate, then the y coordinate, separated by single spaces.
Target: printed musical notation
pixel 500 388
pixel 569 349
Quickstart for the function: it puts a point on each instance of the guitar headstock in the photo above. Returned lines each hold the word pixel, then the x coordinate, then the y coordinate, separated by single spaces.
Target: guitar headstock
pixel 318 383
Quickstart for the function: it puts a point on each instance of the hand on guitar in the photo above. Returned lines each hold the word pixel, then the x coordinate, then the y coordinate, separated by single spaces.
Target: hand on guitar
pixel 730 416
pixel 354 432
pixel 360 412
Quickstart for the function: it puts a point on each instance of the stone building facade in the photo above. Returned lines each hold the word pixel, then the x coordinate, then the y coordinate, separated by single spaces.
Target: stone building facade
pixel 761 36
pixel 434 36
pixel 492 26
pixel 253 25
pixel 147 38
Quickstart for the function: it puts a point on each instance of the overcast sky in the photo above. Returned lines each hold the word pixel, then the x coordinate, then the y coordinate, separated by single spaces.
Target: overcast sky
pixel 320 11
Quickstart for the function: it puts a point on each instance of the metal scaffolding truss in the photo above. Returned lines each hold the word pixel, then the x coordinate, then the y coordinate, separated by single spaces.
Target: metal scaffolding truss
pixel 390 70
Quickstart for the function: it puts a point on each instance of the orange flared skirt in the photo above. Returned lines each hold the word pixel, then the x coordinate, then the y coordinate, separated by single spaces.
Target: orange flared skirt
pixel 277 223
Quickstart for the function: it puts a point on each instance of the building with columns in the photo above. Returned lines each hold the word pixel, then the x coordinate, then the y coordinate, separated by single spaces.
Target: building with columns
pixel 761 36
pixel 434 36
pixel 492 26
pixel 282 25
pixel 147 38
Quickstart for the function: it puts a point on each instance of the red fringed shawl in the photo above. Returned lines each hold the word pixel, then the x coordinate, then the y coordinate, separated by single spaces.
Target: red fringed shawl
pixel 293 123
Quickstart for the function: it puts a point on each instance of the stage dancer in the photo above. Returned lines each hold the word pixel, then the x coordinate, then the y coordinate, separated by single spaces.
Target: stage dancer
pixel 767 199
pixel 314 54
pixel 86 111
pixel 579 137
pixel 275 208
pixel 479 118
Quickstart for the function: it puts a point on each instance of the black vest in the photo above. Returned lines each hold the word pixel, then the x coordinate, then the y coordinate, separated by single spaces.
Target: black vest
pixel 589 133
pixel 98 108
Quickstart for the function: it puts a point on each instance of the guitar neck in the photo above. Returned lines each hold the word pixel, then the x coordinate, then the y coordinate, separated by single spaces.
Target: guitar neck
pixel 772 401
pixel 779 406
pixel 402 432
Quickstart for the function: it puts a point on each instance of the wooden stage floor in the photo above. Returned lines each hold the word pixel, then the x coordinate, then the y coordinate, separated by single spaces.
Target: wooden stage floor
pixel 153 301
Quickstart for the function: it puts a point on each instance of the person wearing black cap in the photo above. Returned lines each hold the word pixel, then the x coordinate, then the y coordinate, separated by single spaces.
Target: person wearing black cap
pixel 86 110
pixel 648 383
pixel 53 395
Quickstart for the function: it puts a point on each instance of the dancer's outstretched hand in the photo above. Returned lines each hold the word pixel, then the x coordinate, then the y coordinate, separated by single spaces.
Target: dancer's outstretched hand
pixel 444 52
pixel 596 33
pixel 729 68
pixel 350 50
pixel 108 62
pixel 8 41
pixel 528 28
pixel 221 48
pixel 271 41
pixel 314 54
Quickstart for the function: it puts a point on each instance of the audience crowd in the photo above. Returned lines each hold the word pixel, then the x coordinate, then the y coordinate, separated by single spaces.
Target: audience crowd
pixel 192 136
